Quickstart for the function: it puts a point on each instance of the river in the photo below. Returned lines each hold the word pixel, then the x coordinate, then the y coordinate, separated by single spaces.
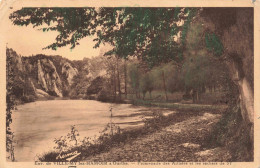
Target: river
pixel 37 124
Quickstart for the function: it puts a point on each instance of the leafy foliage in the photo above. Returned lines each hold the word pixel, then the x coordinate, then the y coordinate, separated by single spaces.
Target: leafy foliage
pixel 134 76
pixel 64 142
pixel 214 44
pixel 96 86
pixel 131 31
pixel 138 32
pixel 147 83
pixel 201 68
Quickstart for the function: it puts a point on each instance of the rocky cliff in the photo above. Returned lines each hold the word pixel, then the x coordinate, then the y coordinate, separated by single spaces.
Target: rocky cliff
pixel 41 75
pixel 69 72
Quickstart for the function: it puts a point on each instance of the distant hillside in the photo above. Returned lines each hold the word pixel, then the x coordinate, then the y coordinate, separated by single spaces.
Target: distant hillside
pixel 46 77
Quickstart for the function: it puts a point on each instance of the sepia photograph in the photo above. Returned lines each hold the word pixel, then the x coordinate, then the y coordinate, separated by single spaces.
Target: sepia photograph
pixel 139 84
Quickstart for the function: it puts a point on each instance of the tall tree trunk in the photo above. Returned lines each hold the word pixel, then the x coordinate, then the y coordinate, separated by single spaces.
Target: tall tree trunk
pixel 194 95
pixel 118 79
pixel 210 88
pixel 193 98
pixel 164 86
pixel 114 76
pixel 197 95
pixel 125 79
pixel 203 89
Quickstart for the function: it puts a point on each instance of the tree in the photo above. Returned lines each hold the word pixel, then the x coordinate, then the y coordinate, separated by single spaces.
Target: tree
pixel 161 75
pixel 134 75
pixel 196 62
pixel 96 86
pixel 146 84
pixel 125 76
pixel 118 77
pixel 80 81
pixel 174 80
pixel 150 83
pixel 131 31
pixel 110 65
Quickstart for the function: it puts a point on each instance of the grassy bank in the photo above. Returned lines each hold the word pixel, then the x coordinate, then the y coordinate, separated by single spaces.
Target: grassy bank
pixel 179 106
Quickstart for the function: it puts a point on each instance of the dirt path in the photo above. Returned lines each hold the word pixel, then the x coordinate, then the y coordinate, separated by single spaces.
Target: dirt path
pixel 178 142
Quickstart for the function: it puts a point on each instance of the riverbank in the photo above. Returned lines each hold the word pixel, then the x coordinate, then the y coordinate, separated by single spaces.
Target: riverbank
pixel 180 106
pixel 197 121
pixel 216 135
pixel 183 141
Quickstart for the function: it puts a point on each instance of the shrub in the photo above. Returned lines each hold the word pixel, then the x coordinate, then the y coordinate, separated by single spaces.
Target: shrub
pixel 27 99
pixel 103 96
pixel 155 122
pixel 234 134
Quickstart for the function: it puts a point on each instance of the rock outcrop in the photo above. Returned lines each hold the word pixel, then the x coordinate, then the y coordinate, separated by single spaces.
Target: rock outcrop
pixel 44 75
pixel 48 77
pixel 69 72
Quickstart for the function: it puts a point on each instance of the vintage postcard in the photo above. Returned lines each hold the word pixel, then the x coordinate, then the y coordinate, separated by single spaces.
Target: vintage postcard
pixel 129 83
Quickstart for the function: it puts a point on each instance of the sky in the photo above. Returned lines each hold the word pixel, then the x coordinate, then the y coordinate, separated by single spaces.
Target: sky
pixel 28 41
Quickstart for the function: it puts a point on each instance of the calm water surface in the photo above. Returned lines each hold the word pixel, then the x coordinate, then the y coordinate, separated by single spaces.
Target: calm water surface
pixel 37 124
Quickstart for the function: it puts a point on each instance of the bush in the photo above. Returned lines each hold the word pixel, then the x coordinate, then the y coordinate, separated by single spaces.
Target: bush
pixel 50 98
pixel 232 132
pixel 156 122
pixel 104 96
pixel 27 99
pixel 65 93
